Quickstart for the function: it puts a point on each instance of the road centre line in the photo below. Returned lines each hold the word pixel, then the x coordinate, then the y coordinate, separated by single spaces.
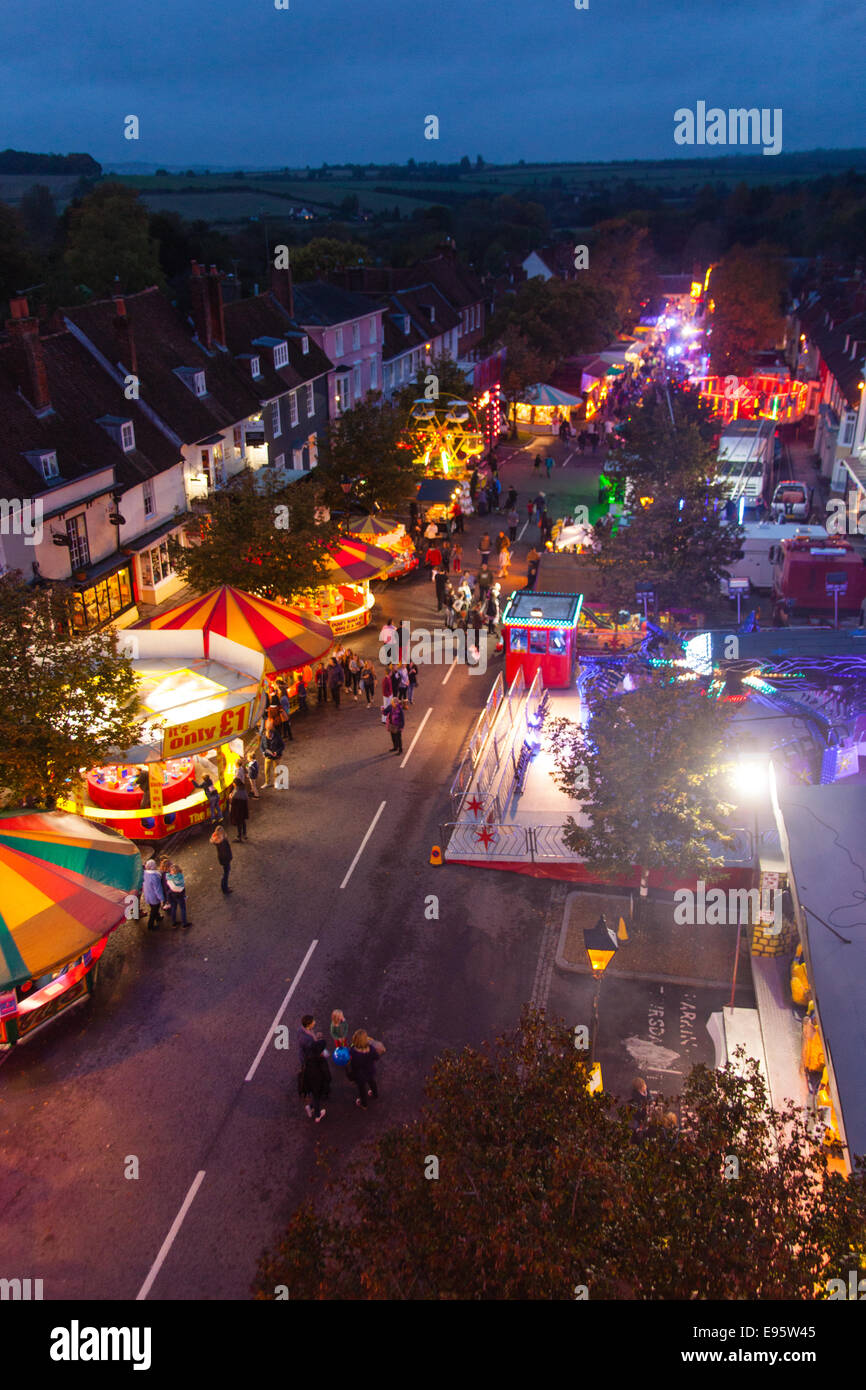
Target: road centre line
pixel 169 1240
pixel 525 524
pixel 363 844
pixel 282 1009
pixel 567 459
pixel 449 673
pixel 416 738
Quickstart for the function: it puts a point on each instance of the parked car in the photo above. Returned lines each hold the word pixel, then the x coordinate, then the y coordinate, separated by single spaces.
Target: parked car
pixel 792 501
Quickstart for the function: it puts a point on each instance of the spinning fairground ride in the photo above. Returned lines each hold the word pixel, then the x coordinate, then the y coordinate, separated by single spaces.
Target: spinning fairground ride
pixel 446 435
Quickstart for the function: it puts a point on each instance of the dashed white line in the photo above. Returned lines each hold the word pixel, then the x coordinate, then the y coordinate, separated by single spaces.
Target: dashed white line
pixel 415 739
pixel 449 673
pixel 366 838
pixel 525 524
pixel 282 1009
pixel 169 1240
pixel 567 459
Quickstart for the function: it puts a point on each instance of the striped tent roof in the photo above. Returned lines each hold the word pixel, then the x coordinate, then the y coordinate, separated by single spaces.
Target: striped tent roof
pixel 351 561
pixel 286 637
pixel 64 884
pixel 365 526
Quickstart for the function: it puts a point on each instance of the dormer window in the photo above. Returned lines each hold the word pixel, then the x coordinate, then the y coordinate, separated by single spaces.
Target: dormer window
pixel 281 355
pixel 255 367
pixel 305 344
pixel 127 436
pixel 406 324
pixel 193 379
pixel 48 464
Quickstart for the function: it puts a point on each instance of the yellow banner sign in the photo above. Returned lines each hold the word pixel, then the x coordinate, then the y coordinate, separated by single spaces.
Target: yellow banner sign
pixel 179 740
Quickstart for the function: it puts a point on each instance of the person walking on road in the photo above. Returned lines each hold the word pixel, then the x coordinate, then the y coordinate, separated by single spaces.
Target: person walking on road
pixel 213 798
pixel 354 672
pixel 336 680
pixel 239 809
pixel 484 548
pixel 339 1028
pixel 251 768
pixel 457 559
pixel 153 894
pixel 272 749
pixel 440 579
pixel 548 463
pixel 396 723
pixel 532 562
pixel 412 672
pixel 177 896
pixel 536 464
pixel 363 1059
pixel 285 711
pixel 513 520
pixel 504 560
pixel 368 680
pixel 224 856
pixel 316 1079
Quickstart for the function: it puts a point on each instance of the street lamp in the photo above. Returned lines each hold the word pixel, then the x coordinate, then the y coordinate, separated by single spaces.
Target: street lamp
pixel 601 945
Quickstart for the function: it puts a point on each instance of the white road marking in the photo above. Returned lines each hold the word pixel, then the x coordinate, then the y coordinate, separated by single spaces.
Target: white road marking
pixel 416 738
pixel 363 844
pixel 525 524
pixel 169 1240
pixel 282 1009
pixel 567 459
pixel 448 674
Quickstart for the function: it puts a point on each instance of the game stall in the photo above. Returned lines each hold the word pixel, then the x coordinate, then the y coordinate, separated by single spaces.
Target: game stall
pixel 386 535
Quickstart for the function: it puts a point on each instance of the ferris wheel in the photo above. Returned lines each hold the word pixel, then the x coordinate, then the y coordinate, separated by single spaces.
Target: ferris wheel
pixel 446 434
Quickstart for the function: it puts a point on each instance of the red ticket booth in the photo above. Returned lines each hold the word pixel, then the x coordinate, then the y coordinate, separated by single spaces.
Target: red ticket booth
pixel 540 632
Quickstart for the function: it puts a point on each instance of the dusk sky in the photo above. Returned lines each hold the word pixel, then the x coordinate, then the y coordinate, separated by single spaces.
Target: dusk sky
pixel 236 82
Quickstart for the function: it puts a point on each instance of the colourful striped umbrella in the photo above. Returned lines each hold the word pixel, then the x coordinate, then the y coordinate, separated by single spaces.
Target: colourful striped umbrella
pixel 350 561
pixel 64 884
pixel 287 637
pixel 370 526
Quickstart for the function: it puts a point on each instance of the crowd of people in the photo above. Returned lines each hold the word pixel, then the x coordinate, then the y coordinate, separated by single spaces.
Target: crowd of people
pixel 359 1058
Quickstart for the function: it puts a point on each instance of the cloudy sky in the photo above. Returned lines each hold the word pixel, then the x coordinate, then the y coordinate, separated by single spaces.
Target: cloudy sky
pixel 238 82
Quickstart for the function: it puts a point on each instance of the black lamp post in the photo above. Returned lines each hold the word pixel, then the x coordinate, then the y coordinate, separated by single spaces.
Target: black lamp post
pixel 601 946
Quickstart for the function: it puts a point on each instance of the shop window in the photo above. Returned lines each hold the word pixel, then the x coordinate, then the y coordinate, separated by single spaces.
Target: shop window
pixel 537 641
pixel 155 565
pixel 557 644
pixel 102 601
pixel 518 639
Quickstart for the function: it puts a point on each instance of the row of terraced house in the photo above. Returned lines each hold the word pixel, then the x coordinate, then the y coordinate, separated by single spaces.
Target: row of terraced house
pixel 119 414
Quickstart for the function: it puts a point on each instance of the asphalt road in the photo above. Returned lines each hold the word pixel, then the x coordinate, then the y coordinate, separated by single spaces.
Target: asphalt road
pixel 152 1144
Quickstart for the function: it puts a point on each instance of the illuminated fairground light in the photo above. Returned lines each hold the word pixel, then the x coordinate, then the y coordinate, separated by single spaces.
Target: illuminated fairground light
pixel 444 435
pixel 764 397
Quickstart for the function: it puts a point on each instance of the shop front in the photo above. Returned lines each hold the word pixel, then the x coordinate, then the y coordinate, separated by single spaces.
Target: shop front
pixel 104 594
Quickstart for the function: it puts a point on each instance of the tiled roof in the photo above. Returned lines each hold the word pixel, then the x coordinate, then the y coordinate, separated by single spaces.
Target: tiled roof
pixel 81 392
pixel 416 303
pixel 829 337
pixel 164 342
pixel 322 305
pixel 263 317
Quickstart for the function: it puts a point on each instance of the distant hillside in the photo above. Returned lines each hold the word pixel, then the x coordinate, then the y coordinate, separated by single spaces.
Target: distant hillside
pixel 25 162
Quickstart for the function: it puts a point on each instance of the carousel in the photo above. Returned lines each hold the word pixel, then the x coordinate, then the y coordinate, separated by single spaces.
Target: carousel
pixel 543 409
pixel 345 601
pixel 386 535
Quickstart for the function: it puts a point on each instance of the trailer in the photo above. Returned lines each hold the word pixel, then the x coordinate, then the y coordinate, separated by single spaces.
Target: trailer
pixel 746 460
pixel 760 545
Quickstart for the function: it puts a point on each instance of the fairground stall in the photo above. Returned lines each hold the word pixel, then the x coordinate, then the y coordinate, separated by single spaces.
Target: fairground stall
pixel 542 409
pixel 288 639
pixel 345 601
pixel 194 711
pixel 386 535
pixel 761 395
pixel 64 887
pixel 539 631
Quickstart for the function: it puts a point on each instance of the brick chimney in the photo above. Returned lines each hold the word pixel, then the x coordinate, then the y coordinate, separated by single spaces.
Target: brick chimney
pixel 201 307
pixel 28 361
pixel 123 333
pixel 282 288
pixel 215 298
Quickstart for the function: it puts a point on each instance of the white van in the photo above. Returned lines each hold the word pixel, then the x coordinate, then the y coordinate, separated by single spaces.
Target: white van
pixel 759 544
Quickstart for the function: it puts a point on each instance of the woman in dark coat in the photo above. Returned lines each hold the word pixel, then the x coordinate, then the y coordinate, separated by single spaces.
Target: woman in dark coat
pixel 316 1080
pixel 240 809
pixel 363 1059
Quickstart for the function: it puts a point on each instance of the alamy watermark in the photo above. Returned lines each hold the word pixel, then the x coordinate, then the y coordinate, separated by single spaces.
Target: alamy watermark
pixel 441 647
pixel 22 517
pixel 719 908
pixel 736 126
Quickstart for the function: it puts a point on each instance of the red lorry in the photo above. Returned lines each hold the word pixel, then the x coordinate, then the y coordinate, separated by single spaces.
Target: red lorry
pixel 801 568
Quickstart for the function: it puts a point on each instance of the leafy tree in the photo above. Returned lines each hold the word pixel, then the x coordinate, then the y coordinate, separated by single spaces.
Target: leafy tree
pixel 452 382
pixel 324 254
pixel 257 535
pixel 621 260
pixel 746 290
pixel 39 215
pixel 367 447
pixel 542 1187
pixel 18 267
pixel 524 366
pixel 557 319
pixel 66 697
pixel 647 770
pixel 109 239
